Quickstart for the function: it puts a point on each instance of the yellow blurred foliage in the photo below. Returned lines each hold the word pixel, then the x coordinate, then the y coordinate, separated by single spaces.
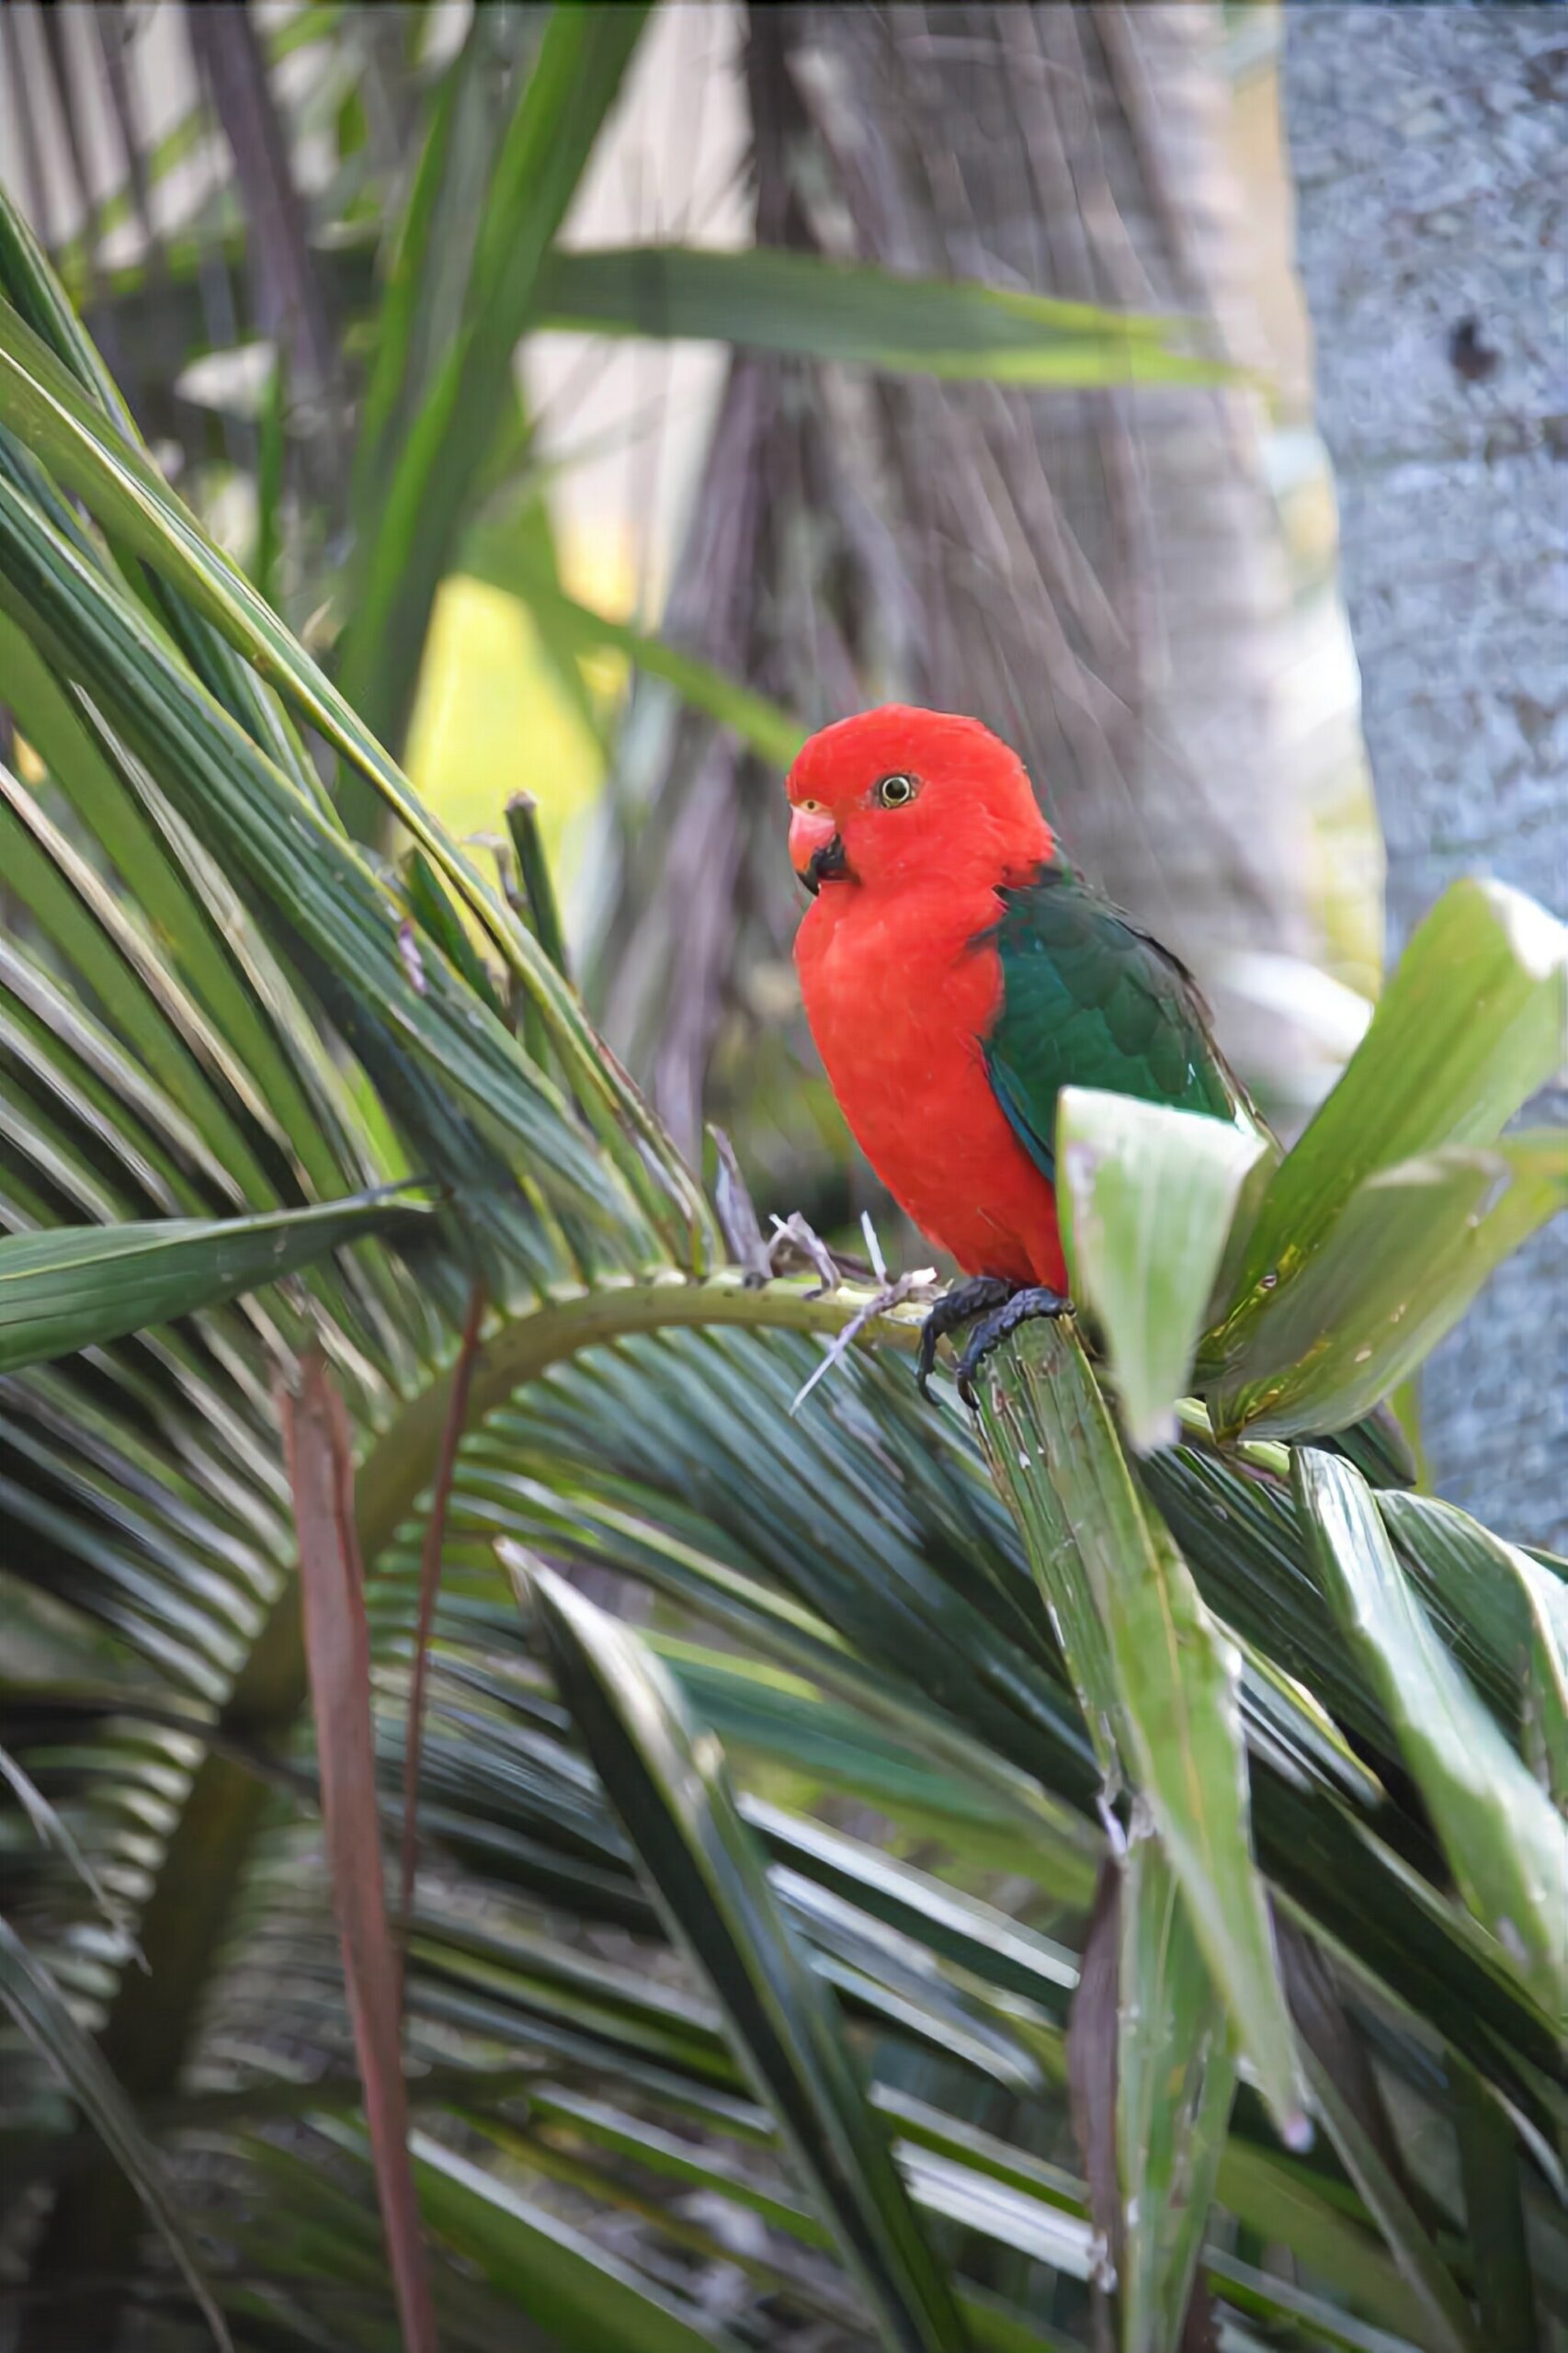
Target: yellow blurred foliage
pixel 493 717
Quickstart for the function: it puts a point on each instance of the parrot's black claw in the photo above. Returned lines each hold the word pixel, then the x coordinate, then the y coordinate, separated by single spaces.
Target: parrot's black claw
pixel 1022 1308
pixel 959 1304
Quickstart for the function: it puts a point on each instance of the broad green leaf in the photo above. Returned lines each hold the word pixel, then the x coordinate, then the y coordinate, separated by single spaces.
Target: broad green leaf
pixel 768 299
pixel 1507 1847
pixel 40 2008
pixel 76 1287
pixel 1161 1678
pixel 495 552
pixel 1175 2081
pixel 668 1782
pixel 1474 1020
pixel 1147 1196
pixel 1400 1266
pixel 1506 1619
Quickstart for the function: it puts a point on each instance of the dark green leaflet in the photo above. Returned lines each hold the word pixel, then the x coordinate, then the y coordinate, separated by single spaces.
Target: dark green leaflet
pixel 1089 1000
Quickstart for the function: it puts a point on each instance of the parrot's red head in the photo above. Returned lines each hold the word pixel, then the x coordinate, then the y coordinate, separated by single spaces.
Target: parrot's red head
pixel 898 797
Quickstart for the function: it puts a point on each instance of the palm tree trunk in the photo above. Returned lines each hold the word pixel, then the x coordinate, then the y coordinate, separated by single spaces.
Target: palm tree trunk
pixel 1429 226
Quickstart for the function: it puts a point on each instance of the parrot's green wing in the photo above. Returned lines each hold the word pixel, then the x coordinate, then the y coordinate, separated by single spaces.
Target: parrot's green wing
pixel 1089 1000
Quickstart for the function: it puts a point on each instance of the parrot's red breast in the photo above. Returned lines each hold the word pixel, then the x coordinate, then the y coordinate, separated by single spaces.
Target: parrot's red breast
pixel 914 820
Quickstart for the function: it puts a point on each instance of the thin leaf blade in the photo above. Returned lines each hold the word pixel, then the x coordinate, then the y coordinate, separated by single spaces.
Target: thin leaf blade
pixel 1448 2326
pixel 589 2300
pixel 669 1784
pixel 574 81
pixel 40 2008
pixel 498 555
pixel 77 1287
pixel 771 300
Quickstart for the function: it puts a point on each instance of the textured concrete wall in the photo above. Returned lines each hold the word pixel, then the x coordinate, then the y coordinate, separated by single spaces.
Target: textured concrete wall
pixel 1428 146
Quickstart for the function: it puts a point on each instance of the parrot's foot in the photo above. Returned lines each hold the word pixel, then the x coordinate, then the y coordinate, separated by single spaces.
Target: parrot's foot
pixel 959 1304
pixel 1023 1307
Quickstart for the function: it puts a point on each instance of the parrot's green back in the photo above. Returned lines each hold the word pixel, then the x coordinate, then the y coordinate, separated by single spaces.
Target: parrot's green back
pixel 1089 1000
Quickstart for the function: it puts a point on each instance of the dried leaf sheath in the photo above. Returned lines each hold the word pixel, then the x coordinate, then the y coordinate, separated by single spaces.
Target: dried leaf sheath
pixel 318 1450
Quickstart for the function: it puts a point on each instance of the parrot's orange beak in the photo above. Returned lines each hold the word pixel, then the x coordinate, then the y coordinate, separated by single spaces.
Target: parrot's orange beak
pixel 815 851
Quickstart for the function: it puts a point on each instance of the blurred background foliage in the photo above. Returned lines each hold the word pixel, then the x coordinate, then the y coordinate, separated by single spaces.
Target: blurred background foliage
pixel 255 252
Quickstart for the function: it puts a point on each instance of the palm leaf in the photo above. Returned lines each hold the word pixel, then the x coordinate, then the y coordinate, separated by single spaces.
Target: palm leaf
pixel 774 300
pixel 709 1876
pixel 65 1290
pixel 36 2003
pixel 218 1009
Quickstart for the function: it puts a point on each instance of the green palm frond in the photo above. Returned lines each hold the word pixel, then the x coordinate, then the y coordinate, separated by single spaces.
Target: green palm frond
pixel 760 1861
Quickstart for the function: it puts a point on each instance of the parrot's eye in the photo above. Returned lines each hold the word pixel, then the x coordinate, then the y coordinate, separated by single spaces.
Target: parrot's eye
pixel 809 808
pixel 894 791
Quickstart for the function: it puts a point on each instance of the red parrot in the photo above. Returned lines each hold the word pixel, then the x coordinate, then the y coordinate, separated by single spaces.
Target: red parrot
pixel 957 974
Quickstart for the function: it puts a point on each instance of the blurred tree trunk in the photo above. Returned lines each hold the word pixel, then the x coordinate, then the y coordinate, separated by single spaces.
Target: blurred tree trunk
pixel 1098 575
pixel 778 571
pixel 1440 395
